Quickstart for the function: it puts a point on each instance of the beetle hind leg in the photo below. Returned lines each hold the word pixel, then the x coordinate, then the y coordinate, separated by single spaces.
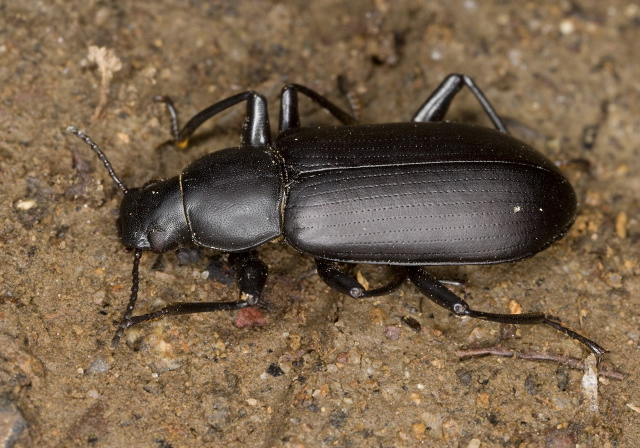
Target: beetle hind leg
pixel 346 284
pixel 437 105
pixel 438 293
pixel 251 276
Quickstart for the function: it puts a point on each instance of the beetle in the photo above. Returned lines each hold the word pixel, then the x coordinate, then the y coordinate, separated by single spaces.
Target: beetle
pixel 408 195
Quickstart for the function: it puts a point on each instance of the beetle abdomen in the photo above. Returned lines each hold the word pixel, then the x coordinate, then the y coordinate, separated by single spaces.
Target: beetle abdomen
pixel 430 212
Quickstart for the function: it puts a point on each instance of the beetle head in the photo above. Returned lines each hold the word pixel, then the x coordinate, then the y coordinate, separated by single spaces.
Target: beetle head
pixel 152 217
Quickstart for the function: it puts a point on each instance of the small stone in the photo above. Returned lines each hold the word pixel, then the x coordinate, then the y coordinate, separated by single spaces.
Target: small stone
pixel 12 424
pixel 393 332
pixel 274 370
pixel 621 225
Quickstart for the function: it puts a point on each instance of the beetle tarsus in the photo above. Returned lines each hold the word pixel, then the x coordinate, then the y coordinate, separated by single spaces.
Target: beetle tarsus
pixel 441 295
pixel 175 127
pixel 591 345
pixel 354 102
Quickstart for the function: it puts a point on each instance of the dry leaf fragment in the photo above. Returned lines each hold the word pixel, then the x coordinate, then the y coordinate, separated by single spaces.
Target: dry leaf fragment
pixel 108 63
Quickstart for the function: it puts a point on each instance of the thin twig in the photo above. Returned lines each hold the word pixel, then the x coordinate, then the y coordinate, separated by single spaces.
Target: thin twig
pixel 496 350
pixel 573 363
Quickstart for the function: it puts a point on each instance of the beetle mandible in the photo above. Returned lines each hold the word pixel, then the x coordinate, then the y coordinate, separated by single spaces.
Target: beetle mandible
pixel 426 192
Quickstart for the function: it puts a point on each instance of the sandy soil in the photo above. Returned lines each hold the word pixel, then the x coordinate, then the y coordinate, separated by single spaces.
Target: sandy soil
pixel 324 370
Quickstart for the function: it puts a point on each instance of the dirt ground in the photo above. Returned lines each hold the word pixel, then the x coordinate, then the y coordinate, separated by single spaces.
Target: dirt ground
pixel 324 370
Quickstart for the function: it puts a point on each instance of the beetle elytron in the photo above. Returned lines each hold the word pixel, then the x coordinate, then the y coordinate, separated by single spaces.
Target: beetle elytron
pixel 408 195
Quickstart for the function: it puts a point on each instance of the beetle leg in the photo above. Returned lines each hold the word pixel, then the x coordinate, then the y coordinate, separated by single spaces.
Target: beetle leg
pixel 346 284
pixel 251 276
pixel 437 105
pixel 168 103
pixel 354 102
pixel 256 130
pixel 289 114
pixel 439 294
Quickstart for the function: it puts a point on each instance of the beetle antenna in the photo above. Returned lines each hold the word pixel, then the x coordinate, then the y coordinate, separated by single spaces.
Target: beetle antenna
pixel 135 281
pixel 85 138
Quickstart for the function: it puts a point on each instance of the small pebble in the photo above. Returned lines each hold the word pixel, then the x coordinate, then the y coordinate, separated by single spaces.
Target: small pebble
pixel 393 332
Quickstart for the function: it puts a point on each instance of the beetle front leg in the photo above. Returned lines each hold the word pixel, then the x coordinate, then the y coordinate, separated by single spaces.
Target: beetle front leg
pixel 346 284
pixel 437 105
pixel 251 275
pixel 256 131
pixel 438 293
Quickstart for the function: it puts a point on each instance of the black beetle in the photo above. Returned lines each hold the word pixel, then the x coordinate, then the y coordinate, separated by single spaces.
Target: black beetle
pixel 408 195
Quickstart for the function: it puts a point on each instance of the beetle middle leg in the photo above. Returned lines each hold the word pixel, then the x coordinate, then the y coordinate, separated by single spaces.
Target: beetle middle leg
pixel 438 293
pixel 437 105
pixel 289 114
pixel 251 276
pixel 346 284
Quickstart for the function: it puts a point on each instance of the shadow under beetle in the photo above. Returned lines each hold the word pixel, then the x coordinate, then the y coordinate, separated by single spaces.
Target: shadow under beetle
pixel 411 194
